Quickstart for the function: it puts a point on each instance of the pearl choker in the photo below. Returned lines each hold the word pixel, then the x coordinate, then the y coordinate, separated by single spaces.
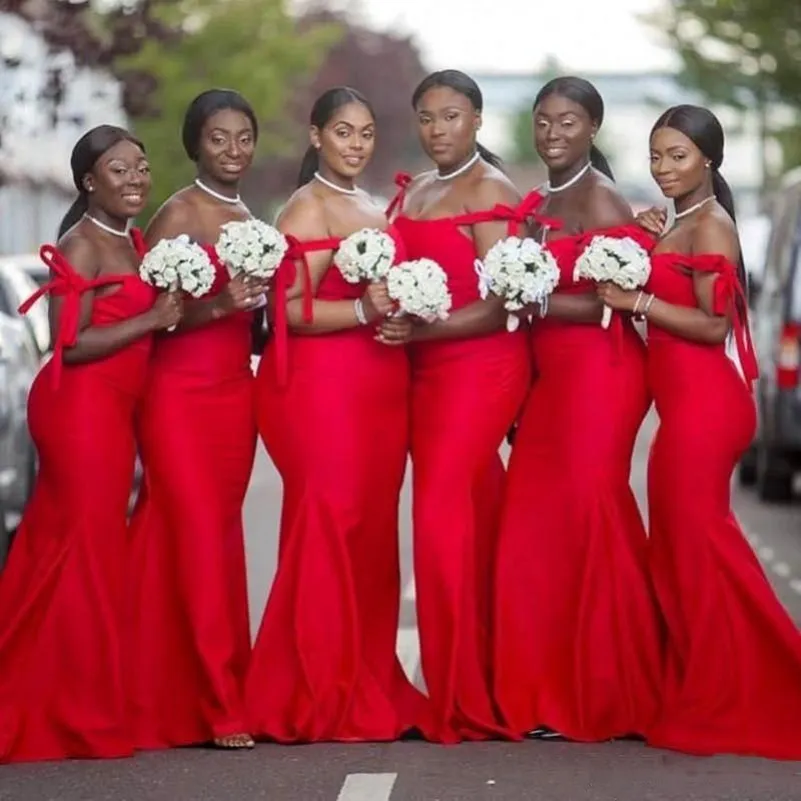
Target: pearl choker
pixel 335 187
pixel 107 228
pixel 697 206
pixel 574 180
pixel 464 168
pixel 209 191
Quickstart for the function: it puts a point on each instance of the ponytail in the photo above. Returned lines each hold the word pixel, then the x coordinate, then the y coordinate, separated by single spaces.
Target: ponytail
pixel 309 166
pixel 599 162
pixel 78 208
pixel 489 156
pixel 724 196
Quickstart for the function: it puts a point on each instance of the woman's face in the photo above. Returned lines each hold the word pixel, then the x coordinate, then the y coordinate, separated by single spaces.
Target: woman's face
pixel 119 182
pixel 226 147
pixel 563 132
pixel 347 141
pixel 677 165
pixel 447 124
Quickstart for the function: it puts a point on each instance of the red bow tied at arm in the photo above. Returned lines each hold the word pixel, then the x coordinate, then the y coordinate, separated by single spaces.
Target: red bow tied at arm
pixel 729 298
pixel 402 181
pixel 66 283
pixel 284 279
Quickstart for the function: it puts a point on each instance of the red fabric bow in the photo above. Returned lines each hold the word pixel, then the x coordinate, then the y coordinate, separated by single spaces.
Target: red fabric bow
pixel 402 181
pixel 284 279
pixel 66 283
pixel 729 298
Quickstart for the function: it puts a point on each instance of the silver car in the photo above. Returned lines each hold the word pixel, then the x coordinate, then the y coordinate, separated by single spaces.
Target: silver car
pixel 775 457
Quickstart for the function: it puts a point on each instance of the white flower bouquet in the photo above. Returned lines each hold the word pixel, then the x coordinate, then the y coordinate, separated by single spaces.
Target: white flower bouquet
pixel 365 255
pixel 618 261
pixel 521 272
pixel 420 288
pixel 178 264
pixel 251 247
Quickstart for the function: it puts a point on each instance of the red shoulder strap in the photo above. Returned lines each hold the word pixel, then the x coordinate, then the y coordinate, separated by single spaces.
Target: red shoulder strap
pixel 729 298
pixel 67 283
pixel 402 181
pixel 284 278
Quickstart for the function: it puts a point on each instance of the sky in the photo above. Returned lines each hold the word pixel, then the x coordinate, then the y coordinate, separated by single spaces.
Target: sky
pixel 516 35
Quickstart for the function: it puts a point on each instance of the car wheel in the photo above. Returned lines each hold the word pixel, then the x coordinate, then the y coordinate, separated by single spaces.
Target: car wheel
pixel 747 469
pixel 774 476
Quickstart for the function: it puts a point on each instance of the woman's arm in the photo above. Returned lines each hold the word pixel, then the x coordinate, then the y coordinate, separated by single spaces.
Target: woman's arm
pixel 701 324
pixel 97 342
pixel 177 217
pixel 304 218
pixel 481 316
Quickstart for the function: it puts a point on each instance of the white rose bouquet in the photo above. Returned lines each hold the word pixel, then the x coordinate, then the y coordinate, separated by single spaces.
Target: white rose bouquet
pixel 365 255
pixel 420 288
pixel 178 264
pixel 618 261
pixel 521 272
pixel 251 247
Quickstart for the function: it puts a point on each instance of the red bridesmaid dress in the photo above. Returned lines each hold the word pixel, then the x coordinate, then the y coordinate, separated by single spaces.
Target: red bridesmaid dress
pixel 466 393
pixel 577 639
pixel 733 681
pixel 197 436
pixel 63 670
pixel 332 410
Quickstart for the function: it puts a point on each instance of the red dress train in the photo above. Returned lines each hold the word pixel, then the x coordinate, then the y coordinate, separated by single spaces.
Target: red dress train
pixel 465 396
pixel 63 668
pixel 197 436
pixel 733 681
pixel 333 413
pixel 577 640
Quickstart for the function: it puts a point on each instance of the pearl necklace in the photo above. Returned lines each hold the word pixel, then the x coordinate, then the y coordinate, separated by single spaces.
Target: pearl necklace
pixel 334 186
pixel 697 206
pixel 107 228
pixel 209 191
pixel 574 180
pixel 464 168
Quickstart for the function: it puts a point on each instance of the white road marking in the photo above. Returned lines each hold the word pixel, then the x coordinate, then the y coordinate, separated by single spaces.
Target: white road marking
pixel 367 787
pixel 407 648
pixel 781 569
pixel 410 591
pixel 771 560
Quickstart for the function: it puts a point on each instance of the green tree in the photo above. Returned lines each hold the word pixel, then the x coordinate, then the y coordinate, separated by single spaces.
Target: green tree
pixel 248 45
pixel 745 54
pixel 164 52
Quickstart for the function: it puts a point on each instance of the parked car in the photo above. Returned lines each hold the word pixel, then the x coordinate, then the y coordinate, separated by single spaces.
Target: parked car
pixel 20 277
pixel 775 456
pixel 17 452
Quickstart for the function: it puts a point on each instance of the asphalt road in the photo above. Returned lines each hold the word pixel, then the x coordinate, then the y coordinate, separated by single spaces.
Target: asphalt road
pixel 413 771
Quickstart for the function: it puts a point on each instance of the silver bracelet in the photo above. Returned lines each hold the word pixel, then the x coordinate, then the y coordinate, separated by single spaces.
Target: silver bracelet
pixel 358 307
pixel 648 305
pixel 544 307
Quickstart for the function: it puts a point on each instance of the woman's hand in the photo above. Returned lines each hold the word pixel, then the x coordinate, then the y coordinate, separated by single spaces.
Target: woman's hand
pixel 167 311
pixel 395 330
pixel 377 302
pixel 616 298
pixel 653 220
pixel 241 293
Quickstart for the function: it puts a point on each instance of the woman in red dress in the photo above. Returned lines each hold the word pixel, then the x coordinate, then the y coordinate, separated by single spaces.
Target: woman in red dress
pixel 577 650
pixel 197 434
pixel 469 379
pixel 332 408
pixel 733 681
pixel 63 668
